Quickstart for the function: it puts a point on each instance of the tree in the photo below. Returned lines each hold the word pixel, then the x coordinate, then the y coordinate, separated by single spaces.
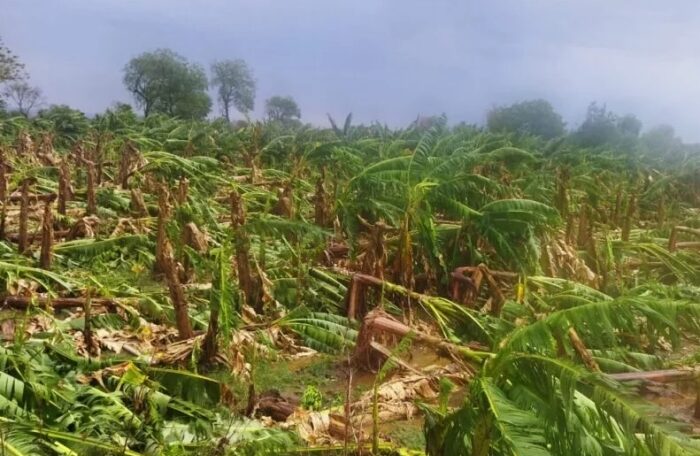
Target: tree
pixel 24 96
pixel 535 117
pixel 600 127
pixel 423 124
pixel 629 125
pixel 10 67
pixel 235 86
pixel 165 82
pixel 662 139
pixel 282 109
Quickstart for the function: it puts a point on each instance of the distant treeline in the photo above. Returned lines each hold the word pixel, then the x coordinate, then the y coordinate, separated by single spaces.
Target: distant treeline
pixel 163 82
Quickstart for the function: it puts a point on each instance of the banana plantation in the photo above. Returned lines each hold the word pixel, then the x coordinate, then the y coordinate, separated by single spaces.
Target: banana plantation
pixel 190 288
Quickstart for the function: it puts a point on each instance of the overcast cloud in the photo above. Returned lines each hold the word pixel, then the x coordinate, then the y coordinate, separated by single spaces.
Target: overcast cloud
pixel 383 60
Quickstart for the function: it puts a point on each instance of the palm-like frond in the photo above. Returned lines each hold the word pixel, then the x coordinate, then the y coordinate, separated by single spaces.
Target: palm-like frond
pixel 92 247
pixel 321 331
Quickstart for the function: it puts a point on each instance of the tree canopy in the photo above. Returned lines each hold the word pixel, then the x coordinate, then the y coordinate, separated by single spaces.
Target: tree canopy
pixel 282 109
pixel 662 139
pixel 165 82
pixel 602 126
pixel 11 68
pixel 235 86
pixel 535 117
pixel 629 125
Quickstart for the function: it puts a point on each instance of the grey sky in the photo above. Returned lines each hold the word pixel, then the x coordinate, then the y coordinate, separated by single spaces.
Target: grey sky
pixel 383 60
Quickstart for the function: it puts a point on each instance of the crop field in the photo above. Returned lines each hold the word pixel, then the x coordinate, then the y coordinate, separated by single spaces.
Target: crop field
pixel 189 288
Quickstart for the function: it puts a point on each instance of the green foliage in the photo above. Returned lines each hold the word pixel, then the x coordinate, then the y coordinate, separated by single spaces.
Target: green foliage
pixel 86 248
pixel 662 140
pixel 164 82
pixel 119 118
pixel 604 127
pixel 408 436
pixel 408 205
pixel 629 125
pixel 235 86
pixel 527 400
pixel 69 124
pixel 139 412
pixel 321 331
pixel 312 399
pixel 222 297
pixel 10 66
pixel 535 117
pixel 282 109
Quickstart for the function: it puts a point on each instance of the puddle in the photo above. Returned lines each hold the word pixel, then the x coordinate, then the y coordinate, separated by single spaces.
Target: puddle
pixel 675 400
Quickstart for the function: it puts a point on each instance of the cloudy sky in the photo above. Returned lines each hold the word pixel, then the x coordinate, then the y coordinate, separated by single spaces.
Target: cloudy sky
pixel 386 60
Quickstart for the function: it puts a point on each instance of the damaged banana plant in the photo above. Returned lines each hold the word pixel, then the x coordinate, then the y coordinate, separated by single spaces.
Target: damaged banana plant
pixel 160 277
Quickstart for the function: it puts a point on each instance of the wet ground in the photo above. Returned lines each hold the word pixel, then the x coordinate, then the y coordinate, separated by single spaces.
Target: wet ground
pixel 330 376
pixel 676 401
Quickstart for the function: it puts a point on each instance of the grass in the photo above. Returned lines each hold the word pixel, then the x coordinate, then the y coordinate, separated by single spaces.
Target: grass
pixel 293 376
pixel 406 434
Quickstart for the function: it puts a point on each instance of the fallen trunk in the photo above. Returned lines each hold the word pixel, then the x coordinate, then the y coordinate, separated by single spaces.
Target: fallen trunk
pixel 273 404
pixel 378 324
pixel 583 351
pixel 31 237
pixel 666 376
pixel 23 302
pixel 660 376
pixel 673 243
pixel 44 197
pixel 467 283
